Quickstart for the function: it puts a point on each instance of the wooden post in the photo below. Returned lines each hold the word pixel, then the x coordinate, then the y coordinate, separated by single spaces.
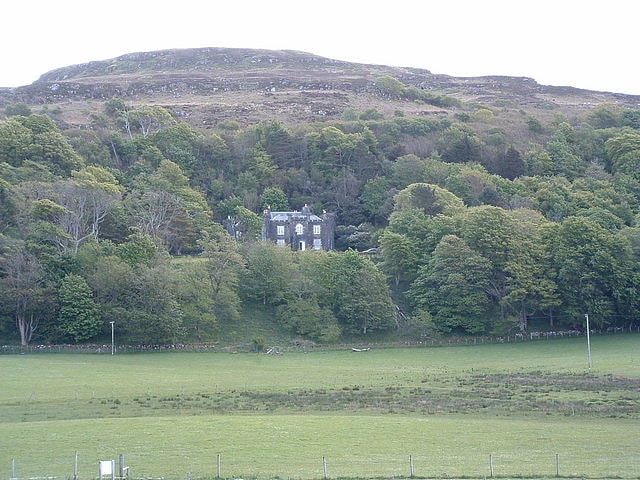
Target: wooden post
pixel 491 465
pixel 557 464
pixel 121 465
pixel 411 465
pixel 219 467
pixel 324 467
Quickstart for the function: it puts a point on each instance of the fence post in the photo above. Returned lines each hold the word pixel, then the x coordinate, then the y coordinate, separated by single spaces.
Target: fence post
pixel 557 464
pixel 324 467
pixel 491 465
pixel 219 466
pixel 411 465
pixel 13 468
pixel 75 467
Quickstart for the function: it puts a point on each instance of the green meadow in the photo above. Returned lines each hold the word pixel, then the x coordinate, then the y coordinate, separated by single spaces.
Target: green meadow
pixel 530 409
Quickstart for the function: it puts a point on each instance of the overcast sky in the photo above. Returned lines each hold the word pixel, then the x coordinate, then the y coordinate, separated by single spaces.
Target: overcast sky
pixel 592 45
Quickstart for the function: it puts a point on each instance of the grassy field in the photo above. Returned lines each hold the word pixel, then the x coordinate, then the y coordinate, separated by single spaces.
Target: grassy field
pixel 455 411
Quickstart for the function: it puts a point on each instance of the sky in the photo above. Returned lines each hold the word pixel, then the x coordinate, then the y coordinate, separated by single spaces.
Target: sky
pixel 585 44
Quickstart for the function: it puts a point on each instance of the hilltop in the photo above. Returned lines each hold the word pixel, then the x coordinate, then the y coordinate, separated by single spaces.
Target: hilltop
pixel 207 86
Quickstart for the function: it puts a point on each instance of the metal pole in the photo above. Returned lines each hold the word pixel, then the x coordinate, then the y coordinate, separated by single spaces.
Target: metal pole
pixel 112 338
pixel 586 315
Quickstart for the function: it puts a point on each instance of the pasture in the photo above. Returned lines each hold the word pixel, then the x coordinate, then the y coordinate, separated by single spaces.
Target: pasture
pixel 440 412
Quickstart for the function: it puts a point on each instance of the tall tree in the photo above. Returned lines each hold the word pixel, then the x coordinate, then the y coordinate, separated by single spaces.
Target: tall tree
pixel 24 288
pixel 594 271
pixel 86 201
pixel 453 288
pixel 78 317
pixel 356 291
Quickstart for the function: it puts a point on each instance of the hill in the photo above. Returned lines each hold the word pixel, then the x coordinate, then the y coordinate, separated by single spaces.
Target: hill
pixel 492 204
pixel 208 86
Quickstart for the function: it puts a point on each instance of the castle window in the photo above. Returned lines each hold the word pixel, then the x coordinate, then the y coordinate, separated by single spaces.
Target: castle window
pixel 316 229
pixel 317 244
pixel 299 229
pixel 280 229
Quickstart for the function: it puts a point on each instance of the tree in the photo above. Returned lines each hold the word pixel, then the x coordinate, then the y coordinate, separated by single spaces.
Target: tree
pixel 400 256
pixel 564 152
pixel 274 199
pixel 491 233
pixel 432 199
pixel 475 186
pixel 453 287
pixel 530 281
pixel 303 316
pixel 624 153
pixel 168 209
pixel 224 266
pixel 510 165
pixel 594 271
pixel 377 199
pixel 152 313
pixel 15 140
pixel 356 292
pixel 24 287
pixel 86 201
pixel 267 273
pixel 149 119
pixel 460 145
pixel 48 145
pixel 78 317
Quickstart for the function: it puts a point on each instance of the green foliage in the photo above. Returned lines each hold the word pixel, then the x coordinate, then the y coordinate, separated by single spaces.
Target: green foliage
pixel 306 318
pixel 267 271
pixel 431 199
pixel 274 199
pixel 13 109
pixel 453 288
pixel 356 292
pixel 624 153
pixel 391 87
pixel 78 318
pixel 36 138
pixel 140 197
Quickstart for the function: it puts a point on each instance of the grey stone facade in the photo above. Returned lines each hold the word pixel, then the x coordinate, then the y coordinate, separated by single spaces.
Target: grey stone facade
pixel 299 230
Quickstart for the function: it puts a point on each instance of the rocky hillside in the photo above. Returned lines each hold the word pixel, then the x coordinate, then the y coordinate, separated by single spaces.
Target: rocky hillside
pixel 211 85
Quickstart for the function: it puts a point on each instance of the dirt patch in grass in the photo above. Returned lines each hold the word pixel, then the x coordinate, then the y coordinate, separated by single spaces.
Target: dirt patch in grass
pixel 501 394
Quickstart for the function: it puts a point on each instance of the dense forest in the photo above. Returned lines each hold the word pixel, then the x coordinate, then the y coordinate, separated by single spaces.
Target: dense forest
pixel 482 220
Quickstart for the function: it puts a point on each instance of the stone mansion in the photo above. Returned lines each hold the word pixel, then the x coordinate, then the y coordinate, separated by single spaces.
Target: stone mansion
pixel 299 230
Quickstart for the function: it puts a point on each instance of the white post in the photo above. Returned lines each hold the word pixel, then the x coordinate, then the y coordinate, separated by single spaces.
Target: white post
pixel 491 465
pixel 324 467
pixel 13 468
pixel 219 466
pixel 586 315
pixel 557 464
pixel 112 338
pixel 411 465
pixel 75 467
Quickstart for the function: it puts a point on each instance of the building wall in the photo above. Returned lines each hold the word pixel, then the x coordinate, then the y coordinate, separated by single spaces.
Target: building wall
pixel 299 230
